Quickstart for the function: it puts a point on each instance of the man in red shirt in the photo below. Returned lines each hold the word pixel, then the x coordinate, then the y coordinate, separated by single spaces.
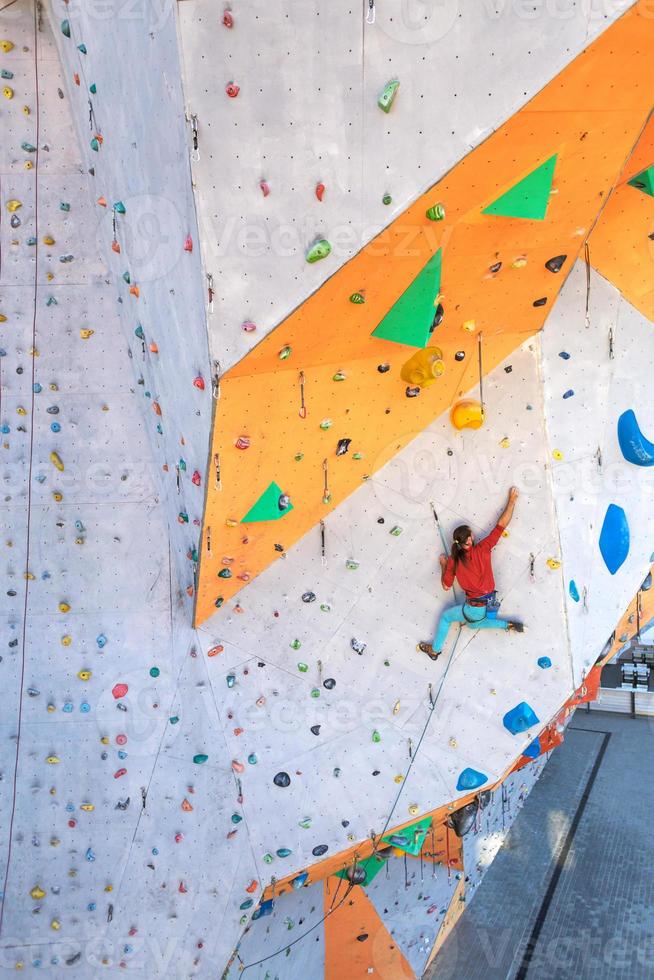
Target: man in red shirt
pixel 471 565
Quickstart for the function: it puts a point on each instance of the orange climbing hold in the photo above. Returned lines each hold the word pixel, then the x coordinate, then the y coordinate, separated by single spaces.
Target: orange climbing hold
pixel 467 414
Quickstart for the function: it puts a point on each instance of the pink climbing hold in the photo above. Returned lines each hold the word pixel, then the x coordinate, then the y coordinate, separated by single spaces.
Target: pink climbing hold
pixel 237 766
pixel 196 478
pixel 265 187
pixel 119 690
pixel 182 888
pixel 121 739
pixel 243 442
pixel 248 326
pixel 320 190
pixel 228 19
pixel 232 90
pixel 188 244
pixel 119 773
pixel 199 382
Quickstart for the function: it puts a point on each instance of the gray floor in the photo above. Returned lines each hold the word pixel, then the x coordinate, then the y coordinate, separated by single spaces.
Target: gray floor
pixel 571 892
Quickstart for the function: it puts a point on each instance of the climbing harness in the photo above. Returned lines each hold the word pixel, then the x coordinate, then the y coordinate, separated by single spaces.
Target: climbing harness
pixel 489 602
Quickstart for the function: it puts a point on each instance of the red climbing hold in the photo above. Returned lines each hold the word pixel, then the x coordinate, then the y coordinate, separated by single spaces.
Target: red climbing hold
pixel 115 247
pixel 232 90
pixel 120 772
pixel 215 650
pixel 119 690
pixel 243 442
pixel 320 190
pixel 156 408
pixel 182 888
pixel 188 244
pixel 265 187
pixel 199 382
pixel 196 478
pixel 76 78
pixel 228 19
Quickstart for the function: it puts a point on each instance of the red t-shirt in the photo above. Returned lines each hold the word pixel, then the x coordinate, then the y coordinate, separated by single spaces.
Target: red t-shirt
pixel 475 572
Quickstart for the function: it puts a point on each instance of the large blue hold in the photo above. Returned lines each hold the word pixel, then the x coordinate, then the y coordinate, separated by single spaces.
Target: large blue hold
pixel 471 779
pixel 635 447
pixel 614 538
pixel 533 749
pixel 520 718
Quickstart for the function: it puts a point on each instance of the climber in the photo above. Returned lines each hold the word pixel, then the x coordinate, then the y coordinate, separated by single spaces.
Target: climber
pixel 470 564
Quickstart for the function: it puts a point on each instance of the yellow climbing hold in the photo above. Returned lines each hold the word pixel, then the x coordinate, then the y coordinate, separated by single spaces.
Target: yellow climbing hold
pixel 48 240
pixel 423 367
pixel 108 888
pixel 66 640
pixel 50 709
pixel 55 459
pixel 64 607
pixel 8 92
pixel 504 443
pixel 413 809
pixel 52 760
pixel 87 807
pixel 467 414
pixel 13 205
pixel 21 410
pixel 469 325
pixel 104 739
pixel 84 675
pixel 26 110
pixel 553 563
pixel 6 46
pixel 37 892
pixel 85 333
pixel 396 708
pixel 28 165
pixel 50 276
pixel 57 496
pixel 519 263
pixel 3 318
pixel 398 779
pixel 53 386
pixel 55 924
pixel 557 454
pixel 453 743
pixel 28 576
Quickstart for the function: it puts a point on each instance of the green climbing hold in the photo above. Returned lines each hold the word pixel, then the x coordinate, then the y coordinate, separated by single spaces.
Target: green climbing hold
pixel 65 28
pixel 357 298
pixel 127 277
pixel 225 573
pixel 387 199
pixel 93 88
pixel 283 852
pixel 315 693
pixel 644 181
pixel 410 318
pixel 303 668
pixel 529 197
pixel 173 719
pixel 5 73
pixel 268 858
pixel 139 332
pixel 200 758
pixel 82 48
pixel 305 823
pixel 252 759
pixel 339 376
pixel 410 839
pixel 267 507
pixel 376 737
pixel 319 250
pixel 120 208
pixel 236 818
pixel 64 206
pixel 218 602
pixel 435 213
pixel 28 147
pixel 285 352
pixel 154 671
pixel 95 144
pixel 295 644
pixel 387 98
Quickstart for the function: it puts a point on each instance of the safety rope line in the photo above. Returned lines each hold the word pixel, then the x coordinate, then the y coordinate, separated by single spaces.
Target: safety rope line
pixel 29 481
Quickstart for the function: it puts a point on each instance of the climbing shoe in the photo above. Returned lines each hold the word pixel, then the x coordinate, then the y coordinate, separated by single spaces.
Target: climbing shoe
pixel 429 650
pixel 517 627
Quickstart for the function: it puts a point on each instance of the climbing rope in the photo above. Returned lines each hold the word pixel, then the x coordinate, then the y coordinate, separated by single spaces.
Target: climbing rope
pixel 29 481
pixel 481 373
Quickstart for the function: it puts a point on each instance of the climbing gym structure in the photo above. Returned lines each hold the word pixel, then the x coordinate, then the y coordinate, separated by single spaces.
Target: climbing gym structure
pixel 287 293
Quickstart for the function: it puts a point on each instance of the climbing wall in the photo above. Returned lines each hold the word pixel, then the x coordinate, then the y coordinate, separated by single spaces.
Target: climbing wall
pixel 593 377
pixel 129 117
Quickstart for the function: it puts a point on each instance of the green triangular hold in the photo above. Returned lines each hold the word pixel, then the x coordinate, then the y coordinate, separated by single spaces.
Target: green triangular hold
pixel 409 319
pixel 644 181
pixel 529 197
pixel 372 865
pixel 267 507
pixel 410 839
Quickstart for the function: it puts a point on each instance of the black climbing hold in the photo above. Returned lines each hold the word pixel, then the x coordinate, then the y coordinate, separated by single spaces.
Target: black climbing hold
pixel 508 369
pixel 380 520
pixel 461 821
pixel 651 236
pixel 438 318
pixel 484 799
pixel 284 501
pixel 320 849
pixel 383 368
pixel 540 302
pixel 375 772
pixel 450 452
pixel 460 355
pixel 315 729
pixel 343 446
pixel 362 937
pixel 73 959
pixel 357 645
pixel 279 547
pixel 555 264
pixel 260 663
pixel 329 683
pixel 345 823
pixel 412 392
pixel 282 779
pixel 357 874
pixel 495 267
pixel 308 597
pixel 92 171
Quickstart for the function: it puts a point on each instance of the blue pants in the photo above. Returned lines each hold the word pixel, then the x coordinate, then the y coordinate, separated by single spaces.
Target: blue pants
pixel 455 615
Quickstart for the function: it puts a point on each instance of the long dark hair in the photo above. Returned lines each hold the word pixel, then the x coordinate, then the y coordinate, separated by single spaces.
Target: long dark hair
pixel 461 535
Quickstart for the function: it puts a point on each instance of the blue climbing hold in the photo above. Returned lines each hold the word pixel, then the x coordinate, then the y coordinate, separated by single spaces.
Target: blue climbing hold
pixel 533 749
pixel 471 779
pixel 55 427
pixel 574 592
pixel 520 718
pixel 635 447
pixel 101 640
pixel 614 538
pixel 544 662
pixel 300 880
pixel 564 354
pixel 265 908
pixel 569 393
